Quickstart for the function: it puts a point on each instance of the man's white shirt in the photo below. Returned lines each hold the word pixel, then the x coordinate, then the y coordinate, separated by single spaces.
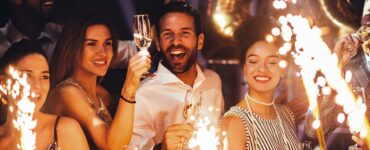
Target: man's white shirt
pixel 160 101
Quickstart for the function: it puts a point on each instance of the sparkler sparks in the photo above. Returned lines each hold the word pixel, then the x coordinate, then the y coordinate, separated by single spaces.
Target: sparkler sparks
pixel 206 136
pixel 19 90
pixel 311 53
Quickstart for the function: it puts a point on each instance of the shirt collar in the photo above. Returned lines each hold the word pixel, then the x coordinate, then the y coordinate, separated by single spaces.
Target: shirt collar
pixel 13 35
pixel 165 76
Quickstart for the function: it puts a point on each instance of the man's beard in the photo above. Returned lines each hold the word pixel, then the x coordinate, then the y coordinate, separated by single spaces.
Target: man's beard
pixel 188 63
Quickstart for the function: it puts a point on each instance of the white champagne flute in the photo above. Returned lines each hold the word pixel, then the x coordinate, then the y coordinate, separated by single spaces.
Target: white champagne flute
pixel 142 34
pixel 192 106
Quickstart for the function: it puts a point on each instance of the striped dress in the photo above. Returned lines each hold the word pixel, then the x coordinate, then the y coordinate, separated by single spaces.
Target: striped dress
pixel 269 131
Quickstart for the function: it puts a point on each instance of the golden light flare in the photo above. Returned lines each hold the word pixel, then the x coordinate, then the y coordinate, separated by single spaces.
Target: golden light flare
pixel 275 31
pixel 283 64
pixel 341 117
pixel 269 38
pixel 316 124
pixel 279 4
pixel 348 76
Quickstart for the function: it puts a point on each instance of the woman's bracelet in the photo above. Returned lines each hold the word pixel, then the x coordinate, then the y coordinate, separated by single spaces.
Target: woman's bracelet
pixel 126 100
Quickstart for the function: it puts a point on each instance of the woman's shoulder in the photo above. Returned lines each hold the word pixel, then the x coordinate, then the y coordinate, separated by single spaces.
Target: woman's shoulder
pixel 66 90
pixel 286 112
pixel 235 114
pixel 68 125
pixel 236 110
pixel 232 120
pixel 285 109
pixel 67 98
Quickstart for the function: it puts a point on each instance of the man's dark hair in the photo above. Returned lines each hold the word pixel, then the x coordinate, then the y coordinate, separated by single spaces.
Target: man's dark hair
pixel 181 7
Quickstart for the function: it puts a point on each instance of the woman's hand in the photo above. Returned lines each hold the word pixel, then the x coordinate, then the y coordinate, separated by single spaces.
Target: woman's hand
pixel 138 65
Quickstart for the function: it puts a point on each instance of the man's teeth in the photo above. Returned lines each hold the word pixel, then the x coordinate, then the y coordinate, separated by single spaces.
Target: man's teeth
pixel 48 3
pixel 262 78
pixel 176 52
pixel 100 62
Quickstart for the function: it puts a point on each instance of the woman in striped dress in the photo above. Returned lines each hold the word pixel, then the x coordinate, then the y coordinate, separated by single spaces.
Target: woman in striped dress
pixel 256 122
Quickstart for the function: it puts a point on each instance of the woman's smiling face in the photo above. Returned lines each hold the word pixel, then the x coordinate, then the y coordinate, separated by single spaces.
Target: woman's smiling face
pixel 261 68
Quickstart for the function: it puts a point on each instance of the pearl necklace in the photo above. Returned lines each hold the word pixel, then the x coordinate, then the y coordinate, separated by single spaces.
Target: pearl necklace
pixel 254 120
pixel 258 101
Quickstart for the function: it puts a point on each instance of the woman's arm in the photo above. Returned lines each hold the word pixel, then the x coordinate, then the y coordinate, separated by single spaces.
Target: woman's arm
pixel 70 135
pixel 138 65
pixel 234 127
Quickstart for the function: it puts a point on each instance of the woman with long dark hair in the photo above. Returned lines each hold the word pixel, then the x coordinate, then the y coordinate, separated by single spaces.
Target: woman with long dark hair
pixel 82 55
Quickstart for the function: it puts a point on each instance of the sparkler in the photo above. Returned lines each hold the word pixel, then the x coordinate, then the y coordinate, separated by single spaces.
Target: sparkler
pixel 206 136
pixel 19 90
pixel 311 53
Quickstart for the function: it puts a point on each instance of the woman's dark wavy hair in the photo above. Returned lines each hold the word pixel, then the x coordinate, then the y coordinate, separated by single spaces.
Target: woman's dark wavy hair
pixel 251 31
pixel 18 51
pixel 68 51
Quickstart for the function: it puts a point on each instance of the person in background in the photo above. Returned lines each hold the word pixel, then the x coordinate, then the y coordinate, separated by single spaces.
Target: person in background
pixel 29 19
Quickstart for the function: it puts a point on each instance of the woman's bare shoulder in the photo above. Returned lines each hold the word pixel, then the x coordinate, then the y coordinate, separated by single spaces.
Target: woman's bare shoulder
pixel 68 125
pixel 67 93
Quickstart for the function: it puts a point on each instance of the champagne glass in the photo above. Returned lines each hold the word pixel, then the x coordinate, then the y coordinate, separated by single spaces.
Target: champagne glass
pixel 192 106
pixel 142 34
pixel 306 145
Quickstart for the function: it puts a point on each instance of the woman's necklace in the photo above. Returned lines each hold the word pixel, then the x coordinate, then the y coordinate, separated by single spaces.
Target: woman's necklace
pixel 260 102
pixel 254 120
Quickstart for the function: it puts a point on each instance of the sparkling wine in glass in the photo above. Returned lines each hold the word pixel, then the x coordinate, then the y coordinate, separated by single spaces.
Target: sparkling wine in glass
pixel 192 106
pixel 142 33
